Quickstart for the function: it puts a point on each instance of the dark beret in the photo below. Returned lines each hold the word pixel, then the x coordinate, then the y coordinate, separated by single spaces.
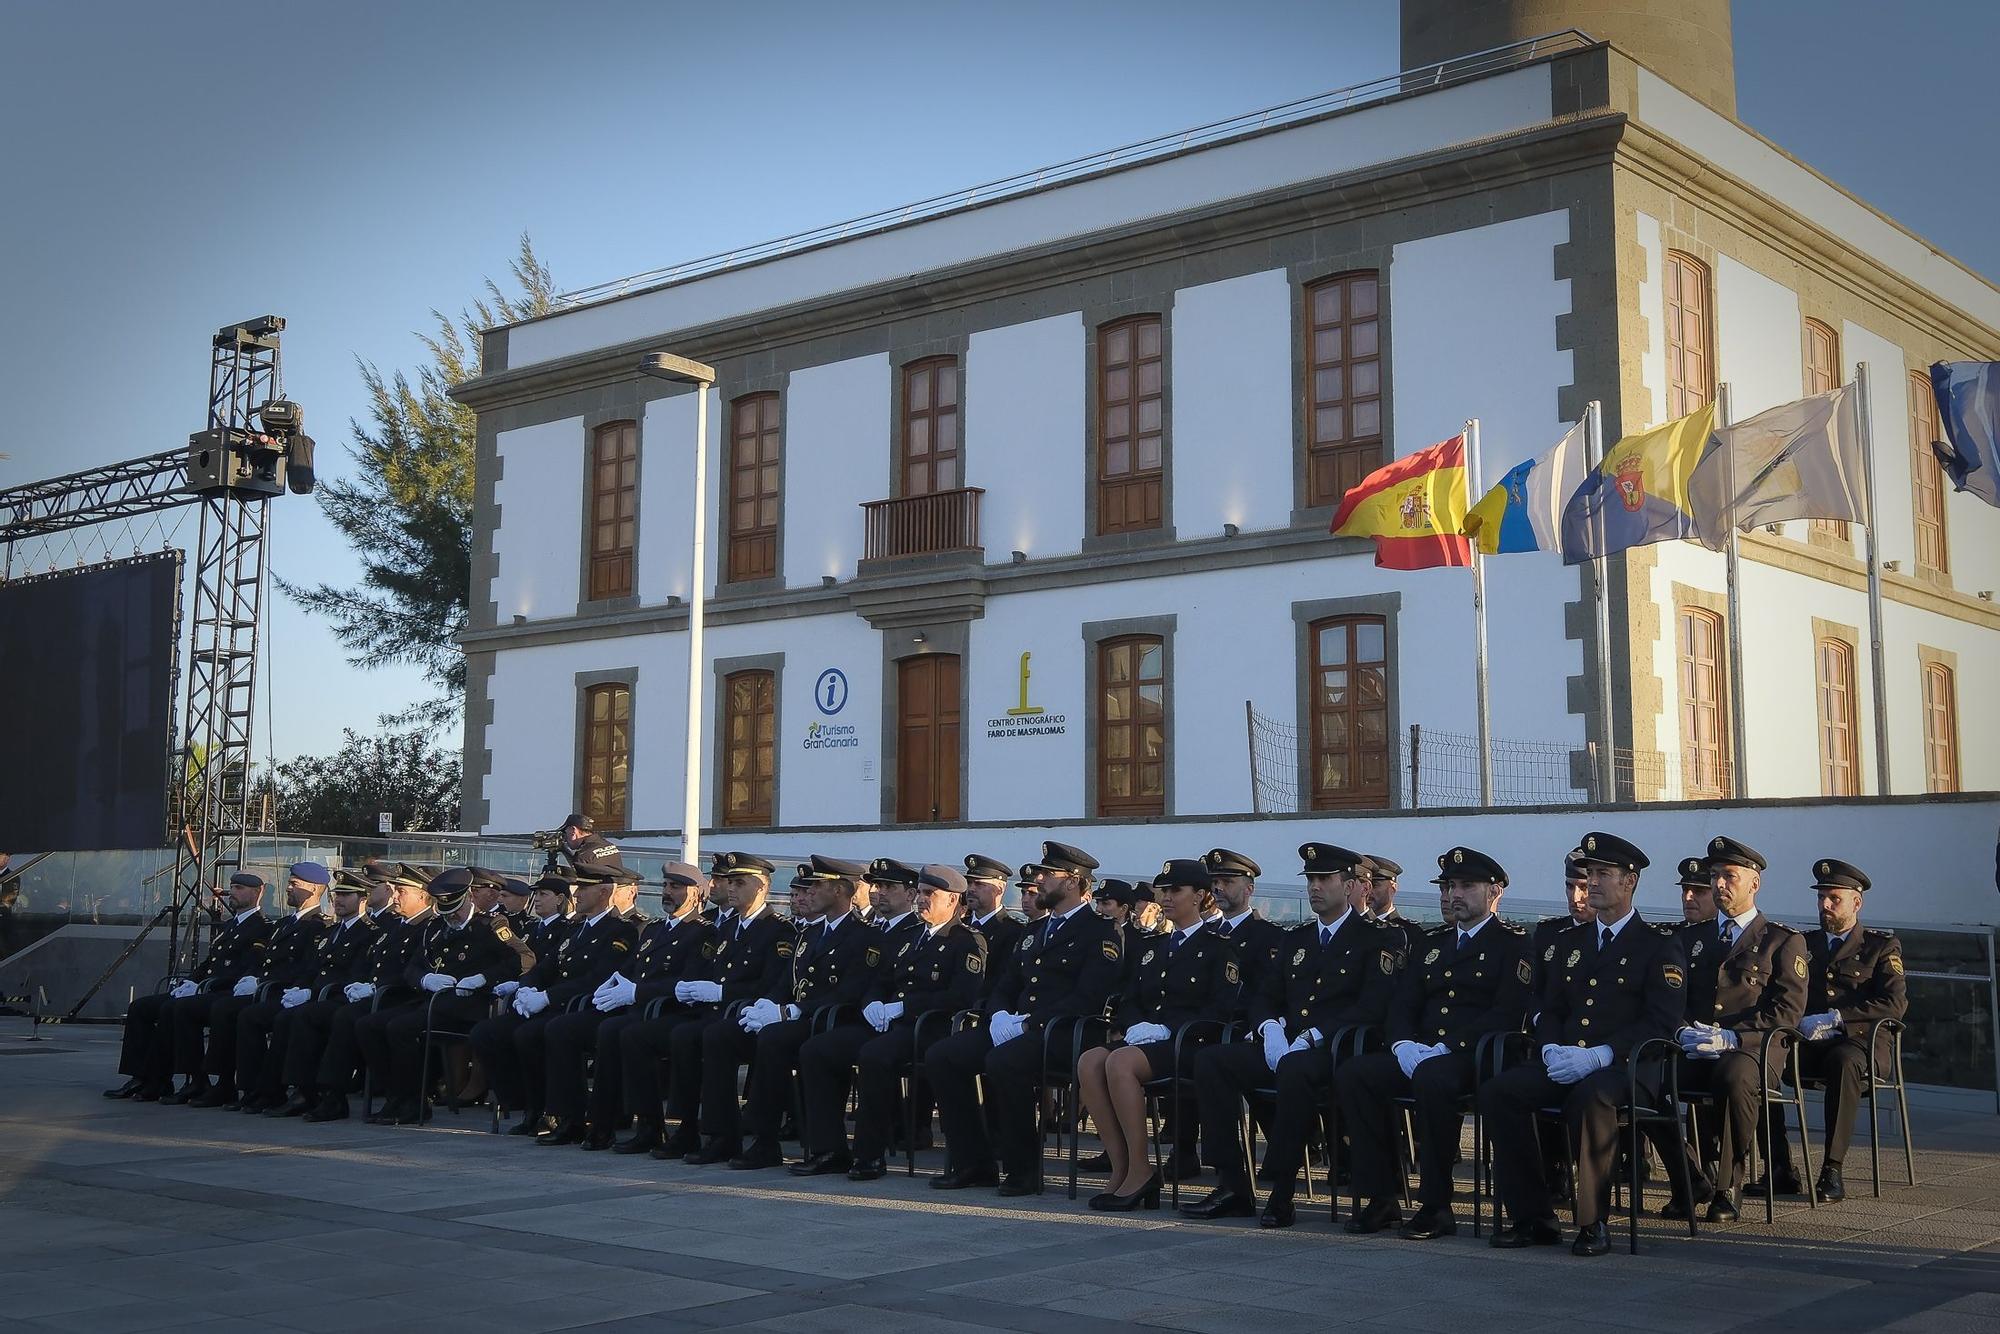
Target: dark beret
pixel 247 878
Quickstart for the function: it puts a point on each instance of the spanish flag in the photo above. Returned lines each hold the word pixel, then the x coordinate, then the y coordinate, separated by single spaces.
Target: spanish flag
pixel 1413 508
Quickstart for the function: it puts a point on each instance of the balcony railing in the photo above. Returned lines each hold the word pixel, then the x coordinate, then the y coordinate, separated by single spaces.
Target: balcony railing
pixel 922 525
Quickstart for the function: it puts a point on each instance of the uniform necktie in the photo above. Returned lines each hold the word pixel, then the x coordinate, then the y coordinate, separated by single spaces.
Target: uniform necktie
pixel 1728 932
pixel 1048 936
pixel 1223 928
pixel 1463 936
pixel 1604 938
pixel 1835 942
pixel 1325 936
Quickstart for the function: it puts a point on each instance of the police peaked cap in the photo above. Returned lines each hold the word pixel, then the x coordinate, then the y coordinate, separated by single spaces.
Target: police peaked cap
pixel 979 867
pixel 1694 871
pixel 889 871
pixel 1829 873
pixel 680 873
pixel 1221 861
pixel 838 868
pixel 1601 849
pixel 1063 858
pixel 1026 877
pixel 513 884
pixel 608 875
pixel 1381 868
pixel 939 876
pixel 352 882
pixel 1327 859
pixel 1573 867
pixel 741 863
pixel 555 884
pixel 449 887
pixel 1122 891
pixel 1469 864
pixel 485 879
pixel 1177 871
pixel 1726 851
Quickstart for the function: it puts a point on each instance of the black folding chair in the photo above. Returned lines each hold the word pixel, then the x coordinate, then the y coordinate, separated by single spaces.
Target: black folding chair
pixel 1488 1059
pixel 1083 1031
pixel 1175 1086
pixel 914 1100
pixel 1773 1101
pixel 435 1039
pixel 1874 1084
pixel 1664 1110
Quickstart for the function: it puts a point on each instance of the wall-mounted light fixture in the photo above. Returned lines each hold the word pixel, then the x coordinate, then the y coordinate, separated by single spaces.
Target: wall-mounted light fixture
pixel 1892 566
pixel 920 638
pixel 1985 595
pixel 1020 557
pixel 1229 530
pixel 1774 529
pixel 673 599
pixel 519 619
pixel 827 581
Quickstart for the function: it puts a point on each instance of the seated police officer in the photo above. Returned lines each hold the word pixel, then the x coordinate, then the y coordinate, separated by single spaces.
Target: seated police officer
pixel 327 1047
pixel 1697 895
pixel 939 968
pixel 894 887
pixel 464 955
pixel 1746 978
pixel 1856 979
pixel 1341 971
pixel 1383 882
pixel 163 1030
pixel 1186 974
pixel 341 957
pixel 287 963
pixel 510 1045
pixel 1063 969
pixel 1576 893
pixel 985 888
pixel 1613 984
pixel 1465 979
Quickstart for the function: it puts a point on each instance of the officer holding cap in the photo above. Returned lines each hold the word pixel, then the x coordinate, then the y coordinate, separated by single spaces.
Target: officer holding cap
pixel 1855 980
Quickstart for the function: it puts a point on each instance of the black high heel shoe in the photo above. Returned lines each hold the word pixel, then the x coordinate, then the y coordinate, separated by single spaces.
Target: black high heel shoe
pixel 1146 1197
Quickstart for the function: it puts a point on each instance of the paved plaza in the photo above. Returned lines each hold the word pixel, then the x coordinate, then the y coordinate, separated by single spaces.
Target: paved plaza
pixel 115 1216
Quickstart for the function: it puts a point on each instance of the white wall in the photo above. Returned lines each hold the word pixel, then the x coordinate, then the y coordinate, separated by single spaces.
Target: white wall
pixel 836 457
pixel 821 778
pixel 538 541
pixel 1233 399
pixel 666 510
pixel 1325 148
pixel 1024 435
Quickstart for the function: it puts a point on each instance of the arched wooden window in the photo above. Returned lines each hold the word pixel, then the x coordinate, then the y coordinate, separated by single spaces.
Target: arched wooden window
pixel 1839 775
pixel 1131 364
pixel 1704 704
pixel 753 504
pixel 1822 363
pixel 1343 384
pixel 1132 726
pixel 1690 340
pixel 1350 712
pixel 1927 478
pixel 930 427
pixel 614 508
pixel 607 755
pixel 1940 728
pixel 749 747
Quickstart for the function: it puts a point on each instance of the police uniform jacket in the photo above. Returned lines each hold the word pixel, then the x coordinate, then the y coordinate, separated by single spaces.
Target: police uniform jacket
pixel 752 960
pixel 1133 940
pixel 236 950
pixel 1260 950
pixel 1176 980
pixel 1757 984
pixel 1542 949
pixel 1631 993
pixel 476 948
pixel 593 854
pixel 1348 981
pixel 1072 974
pixel 294 953
pixel 1002 933
pixel 834 967
pixel 668 955
pixel 342 952
pixel 587 956
pixel 1457 996
pixel 942 970
pixel 1862 979
pixel 399 942
pixel 1413 933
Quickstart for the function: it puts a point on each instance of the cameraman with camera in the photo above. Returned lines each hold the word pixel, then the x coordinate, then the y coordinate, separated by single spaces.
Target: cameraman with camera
pixel 590 854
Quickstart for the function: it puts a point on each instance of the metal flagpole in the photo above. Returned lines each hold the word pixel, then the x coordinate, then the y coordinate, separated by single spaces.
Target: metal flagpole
pixel 1471 438
pixel 697 582
pixel 1875 661
pixel 1607 763
pixel 1739 724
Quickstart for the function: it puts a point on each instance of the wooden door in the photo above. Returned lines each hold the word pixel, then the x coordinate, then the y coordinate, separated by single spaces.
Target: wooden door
pixel 927 739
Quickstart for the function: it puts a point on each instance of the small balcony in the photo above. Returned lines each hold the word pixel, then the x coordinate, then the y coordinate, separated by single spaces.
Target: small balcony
pixel 937 523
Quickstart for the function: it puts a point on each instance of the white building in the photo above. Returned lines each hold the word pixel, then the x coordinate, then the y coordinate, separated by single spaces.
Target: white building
pixel 1016 503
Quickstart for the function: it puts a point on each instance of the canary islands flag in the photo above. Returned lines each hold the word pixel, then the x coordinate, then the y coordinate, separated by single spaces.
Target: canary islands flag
pixel 1639 494
pixel 1523 512
pixel 1414 508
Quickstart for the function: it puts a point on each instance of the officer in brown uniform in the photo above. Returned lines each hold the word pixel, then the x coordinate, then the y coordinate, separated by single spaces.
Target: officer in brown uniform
pixel 1613 984
pixel 1333 972
pixel 1746 977
pixel 1855 978
pixel 1464 980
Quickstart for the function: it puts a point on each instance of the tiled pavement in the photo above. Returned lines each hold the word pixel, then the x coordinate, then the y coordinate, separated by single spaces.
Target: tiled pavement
pixel 122 1217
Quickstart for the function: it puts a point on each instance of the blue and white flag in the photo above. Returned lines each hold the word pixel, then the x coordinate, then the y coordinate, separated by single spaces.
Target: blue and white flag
pixel 1523 510
pixel 1968 400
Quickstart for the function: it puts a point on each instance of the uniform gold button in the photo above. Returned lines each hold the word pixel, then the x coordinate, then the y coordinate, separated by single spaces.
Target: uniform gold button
pixel 1593 981
pixel 1591 1001
pixel 1586 1024
pixel 1451 993
pixel 1444 1009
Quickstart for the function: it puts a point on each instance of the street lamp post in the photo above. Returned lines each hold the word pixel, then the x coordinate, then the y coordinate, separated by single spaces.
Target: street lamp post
pixel 667 366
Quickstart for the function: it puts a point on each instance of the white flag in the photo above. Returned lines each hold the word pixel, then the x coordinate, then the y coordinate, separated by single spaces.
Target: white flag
pixel 1800 460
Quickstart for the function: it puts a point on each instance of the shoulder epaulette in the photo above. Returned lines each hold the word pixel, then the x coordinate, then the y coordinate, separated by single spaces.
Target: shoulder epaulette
pixel 1444 927
pixel 1877 933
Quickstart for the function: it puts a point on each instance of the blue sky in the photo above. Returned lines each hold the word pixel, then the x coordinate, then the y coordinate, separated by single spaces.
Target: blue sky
pixel 173 168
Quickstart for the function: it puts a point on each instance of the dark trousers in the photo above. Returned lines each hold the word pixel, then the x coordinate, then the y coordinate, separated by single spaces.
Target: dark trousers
pixel 826 1072
pixel 514 1054
pixel 1729 1127
pixel 340 1052
pixel 222 1032
pixel 687 1059
pixel 1013 1074
pixel 725 1047
pixel 1843 1064
pixel 148 1024
pixel 256 1026
pixel 1225 1076
pixel 1368 1087
pixel 1509 1101
pixel 190 1017
pixel 607 1106
pixel 305 1033
pixel 642 1045
pixel 568 1040
pixel 392 1038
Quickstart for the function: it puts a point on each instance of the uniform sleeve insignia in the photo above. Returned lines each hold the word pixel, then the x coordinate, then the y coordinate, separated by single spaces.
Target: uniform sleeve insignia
pixel 500 930
pixel 1670 973
pixel 1523 971
pixel 872 957
pixel 1110 949
pixel 708 949
pixel 1298 958
pixel 1799 967
pixel 1147 961
pixel 1388 961
pixel 784 949
pixel 616 944
pixel 1229 973
pixel 1433 957
pixel 1896 964
pixel 1695 951
pixel 1574 956
pixel 974 962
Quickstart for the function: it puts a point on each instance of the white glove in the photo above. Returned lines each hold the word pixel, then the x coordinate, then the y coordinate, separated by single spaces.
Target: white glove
pixel 1003 1027
pixel 1410 1055
pixel 358 991
pixel 182 990
pixel 529 1002
pixel 1274 1043
pixel 435 982
pixel 891 1012
pixel 698 993
pixel 1564 1064
pixel 1818 1026
pixel 1142 1033
pixel 617 992
pixel 295 996
pixel 1600 1058
pixel 1299 1043
pixel 872 1012
pixel 506 989
pixel 756 1015
pixel 245 986
pixel 1704 1042
pixel 473 983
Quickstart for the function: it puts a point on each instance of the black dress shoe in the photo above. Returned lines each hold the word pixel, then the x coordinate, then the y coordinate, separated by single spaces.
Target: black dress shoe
pixel 1678 1208
pixel 1430 1224
pixel 152 1092
pixel 1375 1216
pixel 761 1154
pixel 126 1089
pixel 645 1137
pixel 566 1132
pixel 821 1165
pixel 1278 1213
pixel 713 1151
pixel 219 1096
pixel 677 1146
pixel 868 1169
pixel 1592 1239
pixel 529 1125
pixel 1721 1209
pixel 1830 1188
pixel 597 1141
pixel 1221 1203
pixel 1097 1162
pixel 296 1105
pixel 395 1112
pixel 184 1095
pixel 1015 1186
pixel 963 1178
pixel 1536 1232
pixel 333 1107
pixel 1788 1184
pixel 1181 1169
